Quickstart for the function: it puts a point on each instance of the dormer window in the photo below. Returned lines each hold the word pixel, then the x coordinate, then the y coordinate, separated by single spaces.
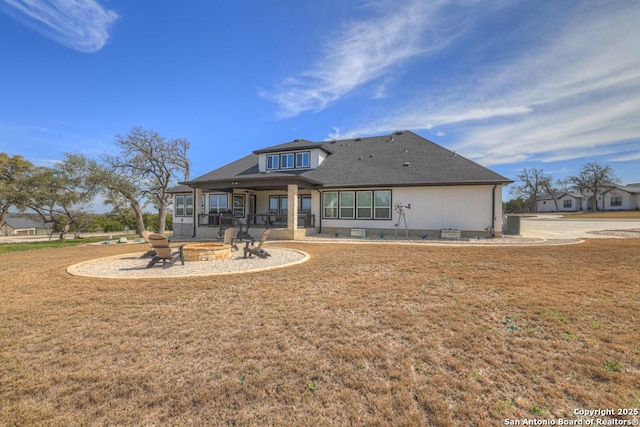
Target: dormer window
pixel 302 159
pixel 287 161
pixel 296 160
pixel 273 161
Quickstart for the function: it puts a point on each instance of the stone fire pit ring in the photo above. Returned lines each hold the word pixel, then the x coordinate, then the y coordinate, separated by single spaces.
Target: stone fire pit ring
pixel 132 266
pixel 206 251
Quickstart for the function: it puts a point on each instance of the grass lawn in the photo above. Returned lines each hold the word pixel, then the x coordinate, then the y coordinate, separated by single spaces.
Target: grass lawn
pixel 53 243
pixel 603 215
pixel 370 335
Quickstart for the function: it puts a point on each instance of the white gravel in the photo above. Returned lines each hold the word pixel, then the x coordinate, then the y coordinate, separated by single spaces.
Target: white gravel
pixel 131 266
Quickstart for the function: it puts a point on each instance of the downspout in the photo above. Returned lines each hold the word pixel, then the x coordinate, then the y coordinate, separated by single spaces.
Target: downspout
pixel 493 211
pixel 195 213
pixel 320 212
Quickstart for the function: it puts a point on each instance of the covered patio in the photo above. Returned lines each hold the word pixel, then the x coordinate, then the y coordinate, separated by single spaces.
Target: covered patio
pixel 280 204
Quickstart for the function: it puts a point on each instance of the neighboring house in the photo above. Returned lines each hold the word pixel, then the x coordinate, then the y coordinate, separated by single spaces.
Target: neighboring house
pixel 567 202
pixel 344 186
pixel 14 225
pixel 619 198
pixel 624 198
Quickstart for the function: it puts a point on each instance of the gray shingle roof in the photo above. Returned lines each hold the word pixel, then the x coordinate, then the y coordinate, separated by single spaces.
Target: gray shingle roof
pixel 400 159
pixel 22 222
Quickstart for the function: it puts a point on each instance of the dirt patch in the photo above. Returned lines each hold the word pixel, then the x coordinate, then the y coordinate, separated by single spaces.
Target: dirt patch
pixel 358 335
pixel 622 234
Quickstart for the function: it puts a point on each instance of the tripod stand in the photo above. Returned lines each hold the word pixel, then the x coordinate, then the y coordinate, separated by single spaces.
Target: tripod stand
pixel 402 219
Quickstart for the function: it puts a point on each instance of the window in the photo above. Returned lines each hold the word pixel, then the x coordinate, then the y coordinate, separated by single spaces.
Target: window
pixel 382 204
pixel 286 161
pixel 330 205
pixel 364 202
pixel 347 204
pixel 357 204
pixel 568 204
pixel 302 159
pixel 273 161
pixel 179 205
pixel 217 203
pixel 184 205
pixel 238 206
pixel 616 201
pixel 304 204
pixel 188 205
pixel 274 204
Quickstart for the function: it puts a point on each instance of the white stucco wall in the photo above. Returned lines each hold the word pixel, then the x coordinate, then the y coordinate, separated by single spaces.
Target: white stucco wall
pixel 627 201
pixel 550 206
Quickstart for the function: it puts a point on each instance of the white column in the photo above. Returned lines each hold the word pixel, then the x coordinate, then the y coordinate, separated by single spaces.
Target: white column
pixel 292 207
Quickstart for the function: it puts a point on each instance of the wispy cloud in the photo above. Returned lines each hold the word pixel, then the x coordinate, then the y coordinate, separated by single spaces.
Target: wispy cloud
pixel 364 51
pixel 81 25
pixel 574 93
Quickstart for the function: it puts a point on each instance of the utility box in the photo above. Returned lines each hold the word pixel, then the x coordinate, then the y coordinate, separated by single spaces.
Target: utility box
pixel 358 232
pixel 511 225
pixel 450 234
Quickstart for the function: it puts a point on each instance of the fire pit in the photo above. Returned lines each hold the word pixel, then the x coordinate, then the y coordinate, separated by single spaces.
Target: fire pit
pixel 206 251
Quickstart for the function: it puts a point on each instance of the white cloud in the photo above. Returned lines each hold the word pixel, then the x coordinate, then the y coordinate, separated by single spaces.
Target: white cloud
pixel 365 51
pixel 626 157
pixel 81 25
pixel 574 94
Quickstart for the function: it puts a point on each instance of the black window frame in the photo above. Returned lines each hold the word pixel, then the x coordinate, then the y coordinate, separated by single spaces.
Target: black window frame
pixel 374 208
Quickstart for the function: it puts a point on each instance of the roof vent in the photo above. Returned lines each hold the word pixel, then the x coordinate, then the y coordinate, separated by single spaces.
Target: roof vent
pixel 370 156
pixel 297 140
pixel 406 164
pixel 390 139
pixel 406 151
pixel 359 158
pixel 400 132
pixel 358 139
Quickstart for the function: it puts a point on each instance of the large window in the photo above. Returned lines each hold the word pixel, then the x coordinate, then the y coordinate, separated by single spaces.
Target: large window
pixel 365 204
pixel 568 204
pixel 616 201
pixel 218 203
pixel 184 205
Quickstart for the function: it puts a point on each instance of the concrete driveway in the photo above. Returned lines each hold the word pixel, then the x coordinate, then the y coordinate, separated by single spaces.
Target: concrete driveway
pixel 551 226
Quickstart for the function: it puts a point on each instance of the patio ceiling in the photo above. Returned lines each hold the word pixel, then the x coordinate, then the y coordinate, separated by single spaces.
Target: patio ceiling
pixel 264 183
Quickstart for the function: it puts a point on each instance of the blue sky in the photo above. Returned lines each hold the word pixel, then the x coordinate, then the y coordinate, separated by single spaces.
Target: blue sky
pixel 509 84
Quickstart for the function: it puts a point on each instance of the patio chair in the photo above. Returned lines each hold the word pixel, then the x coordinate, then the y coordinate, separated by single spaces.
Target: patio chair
pixel 253 249
pixel 230 235
pixel 151 252
pixel 164 252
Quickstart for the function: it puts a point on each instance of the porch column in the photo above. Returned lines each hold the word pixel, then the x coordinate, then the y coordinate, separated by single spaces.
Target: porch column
pixel 292 207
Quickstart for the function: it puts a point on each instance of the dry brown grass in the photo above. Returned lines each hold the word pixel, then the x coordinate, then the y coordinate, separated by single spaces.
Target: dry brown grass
pixel 359 335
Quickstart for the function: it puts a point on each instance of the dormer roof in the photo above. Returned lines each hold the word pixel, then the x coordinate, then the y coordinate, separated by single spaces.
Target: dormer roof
pixel 296 145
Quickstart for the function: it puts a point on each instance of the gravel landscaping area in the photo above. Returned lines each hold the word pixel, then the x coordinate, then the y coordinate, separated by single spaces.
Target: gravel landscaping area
pixel 131 266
